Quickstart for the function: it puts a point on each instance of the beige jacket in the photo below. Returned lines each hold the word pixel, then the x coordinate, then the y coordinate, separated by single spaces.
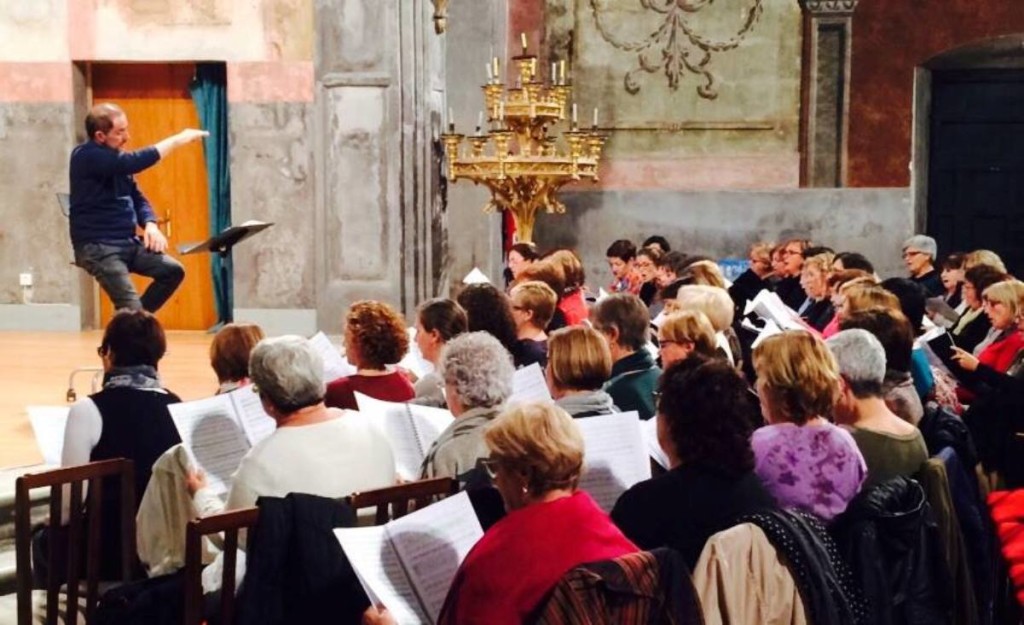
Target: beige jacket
pixel 740 579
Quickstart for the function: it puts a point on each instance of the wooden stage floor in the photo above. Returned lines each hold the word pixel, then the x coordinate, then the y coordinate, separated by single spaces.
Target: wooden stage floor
pixel 34 370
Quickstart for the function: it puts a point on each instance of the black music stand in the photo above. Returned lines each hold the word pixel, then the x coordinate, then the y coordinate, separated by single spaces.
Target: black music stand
pixel 221 244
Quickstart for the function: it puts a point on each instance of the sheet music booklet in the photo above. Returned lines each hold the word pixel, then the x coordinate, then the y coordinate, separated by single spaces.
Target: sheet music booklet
pixel 335 365
pixel 528 384
pixel 410 428
pixel 220 430
pixel 48 424
pixel 408 564
pixel 615 456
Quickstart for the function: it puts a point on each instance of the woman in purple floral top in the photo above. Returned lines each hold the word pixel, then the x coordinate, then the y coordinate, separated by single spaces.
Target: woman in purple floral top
pixel 806 462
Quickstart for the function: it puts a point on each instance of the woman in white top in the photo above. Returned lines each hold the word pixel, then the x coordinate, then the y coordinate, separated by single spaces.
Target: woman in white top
pixel 314 450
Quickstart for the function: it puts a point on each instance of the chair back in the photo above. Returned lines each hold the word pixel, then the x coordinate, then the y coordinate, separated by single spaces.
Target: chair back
pixel 740 578
pixel 394 502
pixel 83 534
pixel 230 523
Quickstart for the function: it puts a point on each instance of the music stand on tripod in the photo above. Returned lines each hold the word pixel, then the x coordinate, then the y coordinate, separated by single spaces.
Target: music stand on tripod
pixel 221 244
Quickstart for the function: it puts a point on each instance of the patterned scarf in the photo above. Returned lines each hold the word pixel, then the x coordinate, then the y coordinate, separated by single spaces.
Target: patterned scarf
pixel 137 376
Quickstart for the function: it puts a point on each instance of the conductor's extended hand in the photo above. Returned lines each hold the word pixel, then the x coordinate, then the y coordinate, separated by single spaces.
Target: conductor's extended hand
pixel 175 141
pixel 153 239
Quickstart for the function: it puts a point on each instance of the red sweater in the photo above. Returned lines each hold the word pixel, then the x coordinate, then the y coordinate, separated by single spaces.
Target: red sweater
pixel 520 559
pixel 999 355
pixel 574 307
pixel 393 386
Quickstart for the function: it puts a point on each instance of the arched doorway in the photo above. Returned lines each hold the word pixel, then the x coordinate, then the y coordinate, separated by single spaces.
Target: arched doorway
pixel 969 149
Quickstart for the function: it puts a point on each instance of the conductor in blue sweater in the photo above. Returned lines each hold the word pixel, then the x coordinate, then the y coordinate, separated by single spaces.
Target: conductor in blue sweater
pixel 107 207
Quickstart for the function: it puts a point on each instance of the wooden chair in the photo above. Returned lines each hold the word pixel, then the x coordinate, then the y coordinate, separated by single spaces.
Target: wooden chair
pixel 230 523
pixel 393 502
pixel 94 473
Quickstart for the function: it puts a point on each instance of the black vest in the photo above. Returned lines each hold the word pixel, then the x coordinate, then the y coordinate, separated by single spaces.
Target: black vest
pixel 136 426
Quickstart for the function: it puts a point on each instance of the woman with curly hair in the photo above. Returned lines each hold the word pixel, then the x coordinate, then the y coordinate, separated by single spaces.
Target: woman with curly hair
pixel 706 415
pixel 375 337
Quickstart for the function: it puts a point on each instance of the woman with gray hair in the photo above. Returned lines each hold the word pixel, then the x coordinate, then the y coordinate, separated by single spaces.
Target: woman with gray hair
pixel 891 446
pixel 315 449
pixel 477 373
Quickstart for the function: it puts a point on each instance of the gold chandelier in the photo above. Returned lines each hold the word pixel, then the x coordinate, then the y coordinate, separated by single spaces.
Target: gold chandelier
pixel 516 159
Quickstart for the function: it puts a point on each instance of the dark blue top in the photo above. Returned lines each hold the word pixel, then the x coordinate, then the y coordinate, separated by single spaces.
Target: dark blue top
pixel 106 204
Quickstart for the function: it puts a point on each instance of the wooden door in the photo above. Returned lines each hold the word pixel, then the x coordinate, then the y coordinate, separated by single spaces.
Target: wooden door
pixel 976 164
pixel 156 99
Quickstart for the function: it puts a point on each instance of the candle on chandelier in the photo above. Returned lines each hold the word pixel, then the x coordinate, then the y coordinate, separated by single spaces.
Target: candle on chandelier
pixel 501 111
pixel 554 73
pixel 451 121
pixel 479 122
pixel 595 118
pixel 497 72
pixel 561 72
pixel 522 39
pixel 490 73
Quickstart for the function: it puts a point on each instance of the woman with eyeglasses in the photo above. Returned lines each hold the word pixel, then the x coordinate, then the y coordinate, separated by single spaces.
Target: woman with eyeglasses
pixel 1002 307
pixel 683 334
pixel 974 325
pixel 128 418
pixel 536 458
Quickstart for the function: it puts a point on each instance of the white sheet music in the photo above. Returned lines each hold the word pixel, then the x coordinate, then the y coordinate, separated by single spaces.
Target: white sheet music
pixel 394 422
pixel 768 306
pixel 376 564
pixel 211 432
pixel 649 432
pixel 615 456
pixel 48 424
pixel 432 543
pixel 256 423
pixel 335 366
pixel 528 385
pixel 428 423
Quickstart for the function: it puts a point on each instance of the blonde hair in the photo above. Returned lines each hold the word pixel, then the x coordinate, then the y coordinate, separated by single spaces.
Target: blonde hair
pixel 578 358
pixel 704 272
pixel 865 296
pixel 691 326
pixel 537 298
pixel 1009 293
pixel 799 375
pixel 539 441
pixel 713 301
pixel 822 262
pixel 984 257
pixel 761 249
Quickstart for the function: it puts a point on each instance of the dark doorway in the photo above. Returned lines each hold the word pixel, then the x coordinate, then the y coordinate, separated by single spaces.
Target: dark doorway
pixel 976 164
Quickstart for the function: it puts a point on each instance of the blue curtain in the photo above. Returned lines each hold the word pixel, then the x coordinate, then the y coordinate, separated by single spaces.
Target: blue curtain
pixel 210 95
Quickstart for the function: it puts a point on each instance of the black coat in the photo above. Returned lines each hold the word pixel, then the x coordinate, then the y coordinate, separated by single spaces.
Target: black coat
pixel 895 550
pixel 296 571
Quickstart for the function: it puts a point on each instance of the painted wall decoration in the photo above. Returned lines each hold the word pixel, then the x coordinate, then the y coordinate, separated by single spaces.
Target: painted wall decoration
pixel 679 45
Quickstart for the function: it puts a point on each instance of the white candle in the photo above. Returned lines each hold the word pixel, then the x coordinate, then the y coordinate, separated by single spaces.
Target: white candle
pixel 554 73
pixel 479 122
pixel 501 110
pixel 522 38
pixel 573 113
pixel 451 119
pixel 561 71
pixel 490 73
pixel 595 118
pixel 497 73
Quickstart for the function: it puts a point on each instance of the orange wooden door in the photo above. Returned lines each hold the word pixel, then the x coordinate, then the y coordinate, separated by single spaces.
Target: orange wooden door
pixel 156 99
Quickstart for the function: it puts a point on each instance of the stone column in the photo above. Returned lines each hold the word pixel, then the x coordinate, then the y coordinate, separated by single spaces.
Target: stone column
pixel 379 87
pixel 828 28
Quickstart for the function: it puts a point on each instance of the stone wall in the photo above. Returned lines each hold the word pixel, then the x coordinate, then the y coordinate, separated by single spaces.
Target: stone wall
pixel 722 224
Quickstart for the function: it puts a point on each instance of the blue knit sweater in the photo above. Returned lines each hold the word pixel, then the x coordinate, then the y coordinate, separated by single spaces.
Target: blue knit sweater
pixel 106 204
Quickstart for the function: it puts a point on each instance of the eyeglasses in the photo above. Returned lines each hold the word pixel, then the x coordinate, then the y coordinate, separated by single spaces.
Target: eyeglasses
pixel 490 465
pixel 911 253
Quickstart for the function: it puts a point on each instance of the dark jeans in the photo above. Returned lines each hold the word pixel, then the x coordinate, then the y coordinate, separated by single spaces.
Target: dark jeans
pixel 111 264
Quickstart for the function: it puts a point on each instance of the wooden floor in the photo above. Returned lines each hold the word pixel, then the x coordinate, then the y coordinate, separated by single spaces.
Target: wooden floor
pixel 34 370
